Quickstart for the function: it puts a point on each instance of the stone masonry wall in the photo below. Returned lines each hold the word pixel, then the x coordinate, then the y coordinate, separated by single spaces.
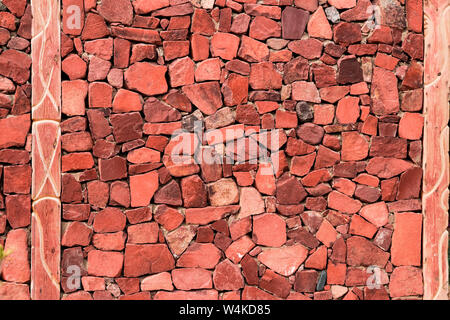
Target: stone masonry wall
pixel 337 83
pixel 15 147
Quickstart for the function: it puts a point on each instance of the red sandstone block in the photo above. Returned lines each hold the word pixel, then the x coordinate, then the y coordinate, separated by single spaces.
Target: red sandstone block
pixel 406 239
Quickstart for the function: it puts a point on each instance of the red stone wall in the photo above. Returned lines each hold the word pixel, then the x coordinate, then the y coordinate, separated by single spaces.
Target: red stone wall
pixel 15 147
pixel 341 208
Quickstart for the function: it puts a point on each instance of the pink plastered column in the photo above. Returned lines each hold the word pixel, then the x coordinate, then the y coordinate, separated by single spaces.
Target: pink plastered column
pixel 435 151
pixel 46 151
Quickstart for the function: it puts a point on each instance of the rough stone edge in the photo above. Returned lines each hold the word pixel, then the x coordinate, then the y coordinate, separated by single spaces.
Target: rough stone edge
pixel 435 151
pixel 46 150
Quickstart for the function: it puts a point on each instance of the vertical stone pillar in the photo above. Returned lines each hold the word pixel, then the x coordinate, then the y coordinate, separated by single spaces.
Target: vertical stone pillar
pixel 436 144
pixel 46 151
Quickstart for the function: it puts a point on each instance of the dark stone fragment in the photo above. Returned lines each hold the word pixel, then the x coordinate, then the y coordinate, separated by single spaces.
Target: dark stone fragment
pixel 322 281
pixel 305 111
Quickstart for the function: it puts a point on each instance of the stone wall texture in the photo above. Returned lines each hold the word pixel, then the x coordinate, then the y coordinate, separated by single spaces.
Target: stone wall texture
pixel 339 86
pixel 15 147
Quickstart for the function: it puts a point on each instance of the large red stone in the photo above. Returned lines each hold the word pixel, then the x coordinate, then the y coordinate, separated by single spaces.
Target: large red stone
pixel 296 69
pixel 143 233
pixel 276 284
pixel 362 252
pixel 343 203
pixel 14 291
pixel 109 220
pixel 411 126
pixel 239 248
pixel 262 28
pixel 310 48
pixel 414 9
pixel 284 261
pixel 191 278
pixel 293 22
pixel 264 76
pixel 105 263
pixel 143 187
pixel 205 96
pixel 354 146
pixel 349 71
pixel 410 182
pixel 376 213
pixel 181 72
pixel 194 192
pixel 318 25
pixel 223 192
pixel 203 216
pixel 290 190
pixel 169 194
pixel 326 233
pixel 141 259
pixel 252 50
pixel 200 255
pixel 16 267
pixel 76 234
pixel 15 65
pixel 235 90
pixel 169 218
pixel 17 179
pixel 94 28
pixel 18 210
pixel 159 281
pixel 406 281
pixel 73 97
pixel 348 110
pixel 406 239
pixel 127 101
pixel 74 67
pixel 146 78
pixel 347 33
pixel 227 276
pixel 269 230
pixel 116 11
pixel 384 92
pixel 387 167
pixel 112 169
pixel 305 91
pixel 224 45
pixel 14 131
